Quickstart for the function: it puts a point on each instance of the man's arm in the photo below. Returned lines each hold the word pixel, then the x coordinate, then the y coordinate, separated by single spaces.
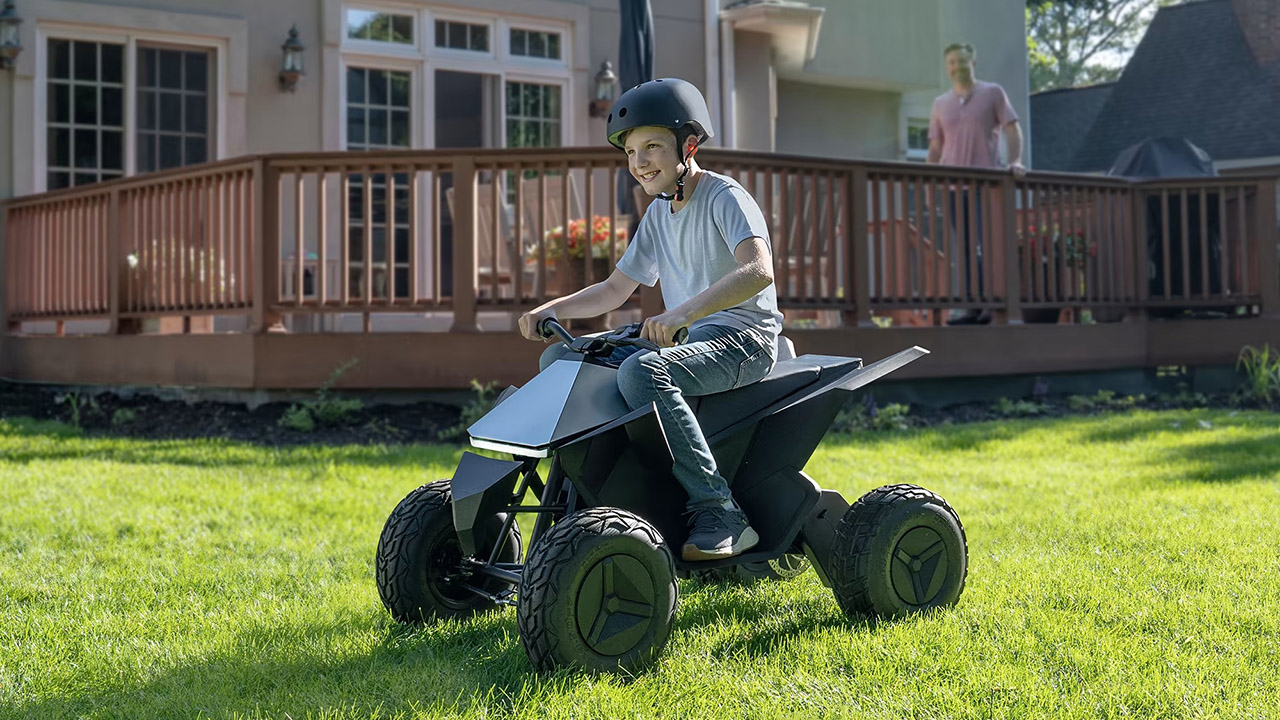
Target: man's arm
pixel 935 150
pixel 753 274
pixel 1013 143
pixel 593 300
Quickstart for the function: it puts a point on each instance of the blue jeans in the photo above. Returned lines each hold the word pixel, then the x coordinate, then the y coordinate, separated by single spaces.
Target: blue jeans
pixel 716 358
pixel 960 221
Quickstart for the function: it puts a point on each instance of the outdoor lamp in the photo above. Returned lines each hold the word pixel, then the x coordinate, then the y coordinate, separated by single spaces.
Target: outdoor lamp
pixel 602 98
pixel 9 45
pixel 291 71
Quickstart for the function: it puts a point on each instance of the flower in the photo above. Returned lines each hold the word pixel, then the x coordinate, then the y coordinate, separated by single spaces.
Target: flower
pixel 1053 246
pixel 576 242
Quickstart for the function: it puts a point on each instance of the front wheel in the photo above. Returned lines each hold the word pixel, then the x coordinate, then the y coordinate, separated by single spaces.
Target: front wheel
pixel 598 593
pixel 419 560
pixel 900 549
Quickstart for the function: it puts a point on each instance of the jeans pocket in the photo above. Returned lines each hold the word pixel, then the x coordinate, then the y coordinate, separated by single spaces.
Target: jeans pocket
pixel 753 368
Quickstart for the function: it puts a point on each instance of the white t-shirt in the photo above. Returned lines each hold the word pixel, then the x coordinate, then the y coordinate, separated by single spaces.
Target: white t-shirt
pixel 692 249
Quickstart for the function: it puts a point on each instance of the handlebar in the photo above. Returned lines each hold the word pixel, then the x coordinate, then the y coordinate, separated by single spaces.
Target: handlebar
pixel 628 335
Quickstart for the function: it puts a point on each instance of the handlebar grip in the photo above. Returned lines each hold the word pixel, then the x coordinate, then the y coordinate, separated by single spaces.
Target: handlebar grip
pixel 681 336
pixel 550 326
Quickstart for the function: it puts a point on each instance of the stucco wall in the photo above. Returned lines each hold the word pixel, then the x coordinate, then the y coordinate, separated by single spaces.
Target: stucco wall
pixel 836 122
pixel 874 43
pixel 754 92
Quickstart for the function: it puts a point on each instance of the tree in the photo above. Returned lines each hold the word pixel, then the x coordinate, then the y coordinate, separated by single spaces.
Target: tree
pixel 1068 41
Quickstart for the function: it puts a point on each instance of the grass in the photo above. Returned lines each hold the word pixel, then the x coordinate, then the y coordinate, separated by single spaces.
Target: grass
pixel 1120 566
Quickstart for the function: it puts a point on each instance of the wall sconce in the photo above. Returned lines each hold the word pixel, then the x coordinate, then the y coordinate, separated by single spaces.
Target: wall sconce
pixel 10 48
pixel 291 70
pixel 602 98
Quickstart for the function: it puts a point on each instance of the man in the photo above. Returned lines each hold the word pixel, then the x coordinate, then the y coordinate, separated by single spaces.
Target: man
pixel 705 238
pixel 964 129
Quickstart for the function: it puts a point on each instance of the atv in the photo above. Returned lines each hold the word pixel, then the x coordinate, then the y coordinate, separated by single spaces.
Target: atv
pixel 598 587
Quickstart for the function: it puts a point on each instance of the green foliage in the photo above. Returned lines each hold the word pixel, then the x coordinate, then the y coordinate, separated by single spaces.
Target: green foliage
pixel 859 416
pixel 1005 407
pixel 1104 400
pixel 1185 398
pixel 1261 370
pixel 1068 40
pixel 123 416
pixel 77 405
pixel 325 409
pixel 477 408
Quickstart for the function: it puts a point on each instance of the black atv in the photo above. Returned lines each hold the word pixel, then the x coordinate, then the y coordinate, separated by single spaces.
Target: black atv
pixel 598 587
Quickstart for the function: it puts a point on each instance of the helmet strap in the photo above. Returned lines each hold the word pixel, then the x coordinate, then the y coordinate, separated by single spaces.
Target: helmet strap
pixel 679 196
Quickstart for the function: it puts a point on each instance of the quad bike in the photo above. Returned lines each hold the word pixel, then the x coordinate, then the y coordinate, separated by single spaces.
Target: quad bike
pixel 598 588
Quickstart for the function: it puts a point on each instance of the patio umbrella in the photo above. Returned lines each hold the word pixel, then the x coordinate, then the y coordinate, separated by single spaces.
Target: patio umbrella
pixel 635 65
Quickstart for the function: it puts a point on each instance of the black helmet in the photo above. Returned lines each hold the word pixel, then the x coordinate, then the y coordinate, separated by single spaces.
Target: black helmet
pixel 665 102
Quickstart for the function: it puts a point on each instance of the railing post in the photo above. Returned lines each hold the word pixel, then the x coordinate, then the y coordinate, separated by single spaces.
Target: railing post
pixel 464 245
pixel 1009 233
pixel 1268 236
pixel 859 255
pixel 113 262
pixel 1138 251
pixel 266 253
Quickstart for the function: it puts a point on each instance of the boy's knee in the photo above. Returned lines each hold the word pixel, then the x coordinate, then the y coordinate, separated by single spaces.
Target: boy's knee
pixel 636 377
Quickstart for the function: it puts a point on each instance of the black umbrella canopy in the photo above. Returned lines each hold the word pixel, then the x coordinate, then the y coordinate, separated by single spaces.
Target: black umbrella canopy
pixel 1163 157
pixel 635 65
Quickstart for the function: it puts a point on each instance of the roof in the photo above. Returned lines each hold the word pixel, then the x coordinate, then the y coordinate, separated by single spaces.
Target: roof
pixel 1059 121
pixel 1194 75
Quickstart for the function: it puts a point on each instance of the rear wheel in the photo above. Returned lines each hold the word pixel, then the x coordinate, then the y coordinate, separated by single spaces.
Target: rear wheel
pixel 419 560
pixel 900 549
pixel 598 592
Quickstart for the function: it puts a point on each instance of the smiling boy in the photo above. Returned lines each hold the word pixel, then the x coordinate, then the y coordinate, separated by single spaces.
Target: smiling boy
pixel 705 238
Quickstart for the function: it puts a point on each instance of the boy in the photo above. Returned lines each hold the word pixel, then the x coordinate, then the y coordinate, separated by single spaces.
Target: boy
pixel 707 240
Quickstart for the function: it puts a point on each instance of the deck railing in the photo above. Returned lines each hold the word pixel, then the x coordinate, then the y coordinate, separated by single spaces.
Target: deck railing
pixel 414 231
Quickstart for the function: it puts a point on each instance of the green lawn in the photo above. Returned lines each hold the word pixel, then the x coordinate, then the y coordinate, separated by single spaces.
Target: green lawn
pixel 1124 565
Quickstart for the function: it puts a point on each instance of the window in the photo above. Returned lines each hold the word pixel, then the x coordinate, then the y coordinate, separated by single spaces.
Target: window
pixel 173 108
pixel 917 139
pixel 379 104
pixel 380 27
pixel 533 115
pixel 462 36
pixel 535 44
pixel 87 126
pixel 86 113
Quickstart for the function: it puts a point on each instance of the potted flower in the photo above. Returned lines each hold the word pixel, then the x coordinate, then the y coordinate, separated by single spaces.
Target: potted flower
pixel 568 250
pixel 1057 262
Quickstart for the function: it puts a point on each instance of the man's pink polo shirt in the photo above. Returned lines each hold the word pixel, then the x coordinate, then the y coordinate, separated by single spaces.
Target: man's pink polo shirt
pixel 970 129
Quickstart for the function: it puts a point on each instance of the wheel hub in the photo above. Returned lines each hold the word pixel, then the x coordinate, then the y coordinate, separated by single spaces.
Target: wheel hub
pixel 615 605
pixel 919 566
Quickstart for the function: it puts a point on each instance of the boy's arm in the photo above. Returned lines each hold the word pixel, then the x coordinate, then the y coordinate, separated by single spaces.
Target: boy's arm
pixel 753 274
pixel 593 300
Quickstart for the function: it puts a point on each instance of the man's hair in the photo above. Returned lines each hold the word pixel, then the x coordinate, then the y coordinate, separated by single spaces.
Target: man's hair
pixel 966 48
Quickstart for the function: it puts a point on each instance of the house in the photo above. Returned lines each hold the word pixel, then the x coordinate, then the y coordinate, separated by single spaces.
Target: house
pixel 1206 70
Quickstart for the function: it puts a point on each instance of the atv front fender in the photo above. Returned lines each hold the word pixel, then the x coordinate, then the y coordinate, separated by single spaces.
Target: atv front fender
pixel 481 486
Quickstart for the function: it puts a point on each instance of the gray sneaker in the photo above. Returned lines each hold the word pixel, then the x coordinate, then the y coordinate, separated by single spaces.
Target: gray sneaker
pixel 717 532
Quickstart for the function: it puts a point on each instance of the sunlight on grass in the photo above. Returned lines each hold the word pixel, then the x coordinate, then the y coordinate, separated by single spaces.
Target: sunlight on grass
pixel 1120 565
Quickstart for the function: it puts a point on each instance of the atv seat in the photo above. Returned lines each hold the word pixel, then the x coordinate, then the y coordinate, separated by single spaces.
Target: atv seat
pixel 718 411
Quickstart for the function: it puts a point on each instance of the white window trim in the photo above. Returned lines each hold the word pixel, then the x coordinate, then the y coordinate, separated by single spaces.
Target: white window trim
pixel 129 38
pixel 910 153
pixel 425 58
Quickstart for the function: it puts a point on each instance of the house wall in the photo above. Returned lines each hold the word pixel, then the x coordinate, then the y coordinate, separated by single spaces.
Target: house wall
pixel 877 44
pixel 754 97
pixel 837 122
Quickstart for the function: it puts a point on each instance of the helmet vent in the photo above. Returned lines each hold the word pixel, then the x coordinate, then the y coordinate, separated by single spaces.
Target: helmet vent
pixel 610 119
pixel 622 113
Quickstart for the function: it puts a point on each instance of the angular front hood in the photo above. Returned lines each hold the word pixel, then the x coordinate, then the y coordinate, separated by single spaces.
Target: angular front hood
pixel 563 401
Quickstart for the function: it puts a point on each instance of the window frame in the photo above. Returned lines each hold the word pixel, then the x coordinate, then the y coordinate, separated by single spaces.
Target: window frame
pixel 130 38
pixel 916 154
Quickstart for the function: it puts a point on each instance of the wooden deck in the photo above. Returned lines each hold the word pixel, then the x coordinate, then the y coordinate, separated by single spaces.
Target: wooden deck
pixel 272 271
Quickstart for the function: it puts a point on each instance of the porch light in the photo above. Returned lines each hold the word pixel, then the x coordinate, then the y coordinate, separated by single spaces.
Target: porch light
pixel 602 98
pixel 9 45
pixel 291 70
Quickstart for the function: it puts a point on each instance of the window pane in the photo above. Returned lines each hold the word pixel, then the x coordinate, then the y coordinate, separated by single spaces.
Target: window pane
pixel 59 147
pixel 197 71
pixel 553 46
pixel 538 44
pixel 112 149
pixel 358 22
pixel 170 69
pixel 59 103
pixel 197 150
pixel 113 106
pixel 59 180
pixel 442 34
pixel 86 104
pixel 170 112
pixel 147 67
pixel 86 178
pixel 519 42
pixel 457 36
pixel 85 149
pixel 400 128
pixel 402 29
pixel 86 58
pixel 400 89
pixel 170 152
pixel 355 85
pixel 377 127
pixel 377 87
pixel 197 114
pixel 146 110
pixel 146 153
pixel 480 37
pixel 113 63
pixel 60 59
pixel 355 126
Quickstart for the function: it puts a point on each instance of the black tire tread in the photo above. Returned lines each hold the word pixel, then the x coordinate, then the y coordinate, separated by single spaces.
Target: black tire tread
pixel 859 527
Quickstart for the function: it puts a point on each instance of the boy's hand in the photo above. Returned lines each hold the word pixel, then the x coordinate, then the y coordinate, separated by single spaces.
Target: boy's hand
pixel 661 329
pixel 529 324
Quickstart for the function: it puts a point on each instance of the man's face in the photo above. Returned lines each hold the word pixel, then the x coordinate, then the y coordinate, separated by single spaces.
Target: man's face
pixel 960 67
pixel 653 159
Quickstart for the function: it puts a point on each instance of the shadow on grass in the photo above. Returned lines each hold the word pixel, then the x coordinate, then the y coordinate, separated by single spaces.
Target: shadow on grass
pixel 1221 460
pixel 439 669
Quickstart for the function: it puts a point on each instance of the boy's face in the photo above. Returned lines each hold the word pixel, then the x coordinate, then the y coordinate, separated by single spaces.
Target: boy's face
pixel 653 158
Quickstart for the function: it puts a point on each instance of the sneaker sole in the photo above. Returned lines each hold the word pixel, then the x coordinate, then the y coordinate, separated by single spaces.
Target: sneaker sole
pixel 748 540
